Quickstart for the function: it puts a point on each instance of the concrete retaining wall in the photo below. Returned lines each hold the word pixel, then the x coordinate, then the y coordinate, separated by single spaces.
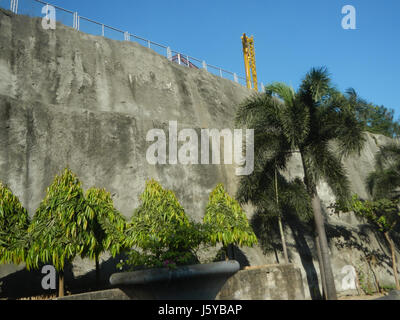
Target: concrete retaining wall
pixel 269 282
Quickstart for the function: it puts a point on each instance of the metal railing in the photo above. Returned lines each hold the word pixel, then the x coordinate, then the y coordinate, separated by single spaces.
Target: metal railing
pixel 80 23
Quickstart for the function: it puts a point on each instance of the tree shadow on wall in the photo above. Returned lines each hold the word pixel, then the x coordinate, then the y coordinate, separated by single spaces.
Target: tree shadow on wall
pixel 26 283
pixel 267 231
pixel 300 229
pixel 87 281
pixel 234 253
pixel 373 258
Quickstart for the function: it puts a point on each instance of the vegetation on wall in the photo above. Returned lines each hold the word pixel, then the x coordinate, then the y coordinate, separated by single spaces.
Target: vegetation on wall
pixel 383 211
pixel 384 215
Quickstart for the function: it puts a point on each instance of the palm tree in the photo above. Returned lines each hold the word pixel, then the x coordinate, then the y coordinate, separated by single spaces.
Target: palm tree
pixel 384 181
pixel 272 195
pixel 318 123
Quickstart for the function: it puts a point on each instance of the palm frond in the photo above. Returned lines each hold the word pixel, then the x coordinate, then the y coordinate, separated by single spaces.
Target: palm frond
pixel 283 91
pixel 315 86
pixel 387 154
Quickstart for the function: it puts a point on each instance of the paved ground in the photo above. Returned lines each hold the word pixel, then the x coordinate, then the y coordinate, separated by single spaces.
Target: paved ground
pixel 361 297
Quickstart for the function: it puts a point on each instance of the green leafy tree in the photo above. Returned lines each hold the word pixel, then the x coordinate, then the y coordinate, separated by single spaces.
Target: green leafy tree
pixel 228 221
pixel 14 222
pixel 319 124
pixel 375 119
pixel 161 232
pixel 106 224
pixel 384 214
pixel 59 229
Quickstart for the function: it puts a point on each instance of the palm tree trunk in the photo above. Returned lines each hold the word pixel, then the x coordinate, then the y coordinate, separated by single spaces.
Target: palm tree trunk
pixel 285 254
pixel 61 283
pixel 325 262
pixel 322 273
pixel 392 249
pixel 283 240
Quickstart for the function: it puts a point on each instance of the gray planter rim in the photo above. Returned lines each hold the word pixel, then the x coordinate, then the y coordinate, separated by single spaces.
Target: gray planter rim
pixel 148 276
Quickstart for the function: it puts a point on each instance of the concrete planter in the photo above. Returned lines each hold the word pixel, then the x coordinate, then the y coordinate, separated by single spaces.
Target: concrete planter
pixel 194 282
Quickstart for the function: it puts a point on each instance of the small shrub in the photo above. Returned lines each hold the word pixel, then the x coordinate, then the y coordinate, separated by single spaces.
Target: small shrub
pixel 161 232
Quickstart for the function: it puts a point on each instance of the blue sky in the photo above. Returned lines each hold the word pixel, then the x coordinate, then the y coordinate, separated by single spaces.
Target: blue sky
pixel 291 36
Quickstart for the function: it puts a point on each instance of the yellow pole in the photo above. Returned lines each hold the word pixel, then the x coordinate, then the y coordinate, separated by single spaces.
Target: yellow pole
pixel 246 60
pixel 253 63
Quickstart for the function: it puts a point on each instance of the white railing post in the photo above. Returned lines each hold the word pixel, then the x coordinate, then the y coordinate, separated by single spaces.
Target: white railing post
pixel 148 44
pixel 127 36
pixel 14 6
pixel 235 78
pixel 187 61
pixel 102 30
pixel 179 58
pixel 220 72
pixel 204 65
pixel 76 21
pixel 262 87
pixel 169 54
pixel 74 25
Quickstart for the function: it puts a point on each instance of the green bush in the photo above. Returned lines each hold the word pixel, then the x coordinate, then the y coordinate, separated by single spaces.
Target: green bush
pixel 14 222
pixel 58 231
pixel 161 232
pixel 227 220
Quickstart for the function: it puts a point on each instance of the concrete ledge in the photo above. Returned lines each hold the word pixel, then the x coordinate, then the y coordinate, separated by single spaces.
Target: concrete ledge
pixel 111 294
pixel 268 282
pixel 162 274
pixel 194 282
